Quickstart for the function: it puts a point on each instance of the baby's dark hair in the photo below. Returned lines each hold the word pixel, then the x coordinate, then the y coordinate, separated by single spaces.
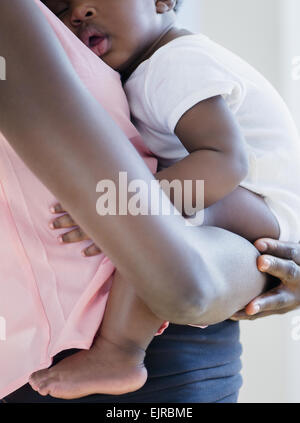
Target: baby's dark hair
pixel 178 5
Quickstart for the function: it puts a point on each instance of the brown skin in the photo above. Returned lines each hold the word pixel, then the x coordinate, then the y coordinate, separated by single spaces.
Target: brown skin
pixel 135 29
pixel 282 261
pixel 131 40
pixel 215 144
pixel 159 282
pixel 207 302
pixel 125 54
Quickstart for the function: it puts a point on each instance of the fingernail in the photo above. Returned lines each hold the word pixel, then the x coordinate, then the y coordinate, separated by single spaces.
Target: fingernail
pixel 60 239
pixel 83 253
pixel 266 264
pixel 262 246
pixel 51 225
pixel 256 309
pixel 52 209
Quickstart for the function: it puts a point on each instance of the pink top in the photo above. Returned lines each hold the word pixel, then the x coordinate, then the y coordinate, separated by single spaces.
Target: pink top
pixel 52 298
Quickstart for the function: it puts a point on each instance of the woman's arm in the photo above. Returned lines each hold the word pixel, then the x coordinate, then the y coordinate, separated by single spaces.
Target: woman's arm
pixel 71 143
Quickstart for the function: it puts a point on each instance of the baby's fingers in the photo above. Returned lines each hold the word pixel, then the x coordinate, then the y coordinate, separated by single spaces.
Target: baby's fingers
pixel 91 251
pixel 76 235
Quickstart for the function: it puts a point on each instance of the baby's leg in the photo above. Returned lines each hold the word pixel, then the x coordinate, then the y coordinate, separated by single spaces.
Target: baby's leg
pixel 115 363
pixel 244 213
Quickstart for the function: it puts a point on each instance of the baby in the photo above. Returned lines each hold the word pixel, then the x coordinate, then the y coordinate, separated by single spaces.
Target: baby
pixel 207 115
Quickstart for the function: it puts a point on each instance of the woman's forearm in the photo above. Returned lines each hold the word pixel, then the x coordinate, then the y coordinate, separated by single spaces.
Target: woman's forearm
pixel 46 114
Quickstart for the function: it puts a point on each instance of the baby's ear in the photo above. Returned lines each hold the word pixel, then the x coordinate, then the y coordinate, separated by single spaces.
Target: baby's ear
pixel 164 6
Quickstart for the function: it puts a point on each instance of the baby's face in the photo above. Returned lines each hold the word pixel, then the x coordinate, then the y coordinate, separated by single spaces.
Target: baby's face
pixel 118 31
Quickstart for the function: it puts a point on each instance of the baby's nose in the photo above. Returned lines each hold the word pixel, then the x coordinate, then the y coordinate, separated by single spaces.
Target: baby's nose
pixel 81 13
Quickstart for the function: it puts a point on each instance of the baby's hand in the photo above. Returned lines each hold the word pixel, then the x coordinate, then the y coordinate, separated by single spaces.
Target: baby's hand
pixel 65 220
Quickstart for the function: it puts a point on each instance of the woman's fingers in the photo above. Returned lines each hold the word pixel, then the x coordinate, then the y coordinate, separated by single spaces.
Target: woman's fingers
pixel 64 221
pixel 285 270
pixel 76 235
pixel 282 261
pixel 284 250
pixel 244 316
pixel 276 299
pixel 91 251
pixel 57 208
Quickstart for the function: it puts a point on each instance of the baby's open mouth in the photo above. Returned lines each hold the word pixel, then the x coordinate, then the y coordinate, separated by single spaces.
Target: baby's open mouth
pixel 95 41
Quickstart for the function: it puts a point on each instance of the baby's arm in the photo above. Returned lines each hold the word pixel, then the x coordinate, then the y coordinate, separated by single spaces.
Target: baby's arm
pixel 216 145
pixel 217 156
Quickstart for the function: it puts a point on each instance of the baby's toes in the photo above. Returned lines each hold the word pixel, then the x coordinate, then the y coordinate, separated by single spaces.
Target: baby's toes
pixel 53 388
pixel 48 387
pixel 36 379
pixel 39 379
pixel 43 390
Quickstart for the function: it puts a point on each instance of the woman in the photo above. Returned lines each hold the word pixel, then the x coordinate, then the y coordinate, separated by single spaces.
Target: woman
pixel 220 361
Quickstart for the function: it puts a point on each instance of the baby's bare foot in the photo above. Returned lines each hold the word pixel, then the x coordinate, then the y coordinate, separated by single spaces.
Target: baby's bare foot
pixel 105 369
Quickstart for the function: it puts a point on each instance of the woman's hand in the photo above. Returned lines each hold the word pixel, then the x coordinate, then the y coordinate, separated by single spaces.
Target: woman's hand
pixel 282 261
pixel 76 234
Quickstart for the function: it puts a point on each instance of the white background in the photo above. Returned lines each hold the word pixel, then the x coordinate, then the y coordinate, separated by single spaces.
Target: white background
pixel 267 34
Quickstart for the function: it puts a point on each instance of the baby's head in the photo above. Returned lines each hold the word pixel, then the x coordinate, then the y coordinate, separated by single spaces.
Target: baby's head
pixel 118 31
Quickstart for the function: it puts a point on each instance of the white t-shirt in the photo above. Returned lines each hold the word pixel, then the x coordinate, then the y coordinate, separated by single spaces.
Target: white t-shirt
pixel 193 68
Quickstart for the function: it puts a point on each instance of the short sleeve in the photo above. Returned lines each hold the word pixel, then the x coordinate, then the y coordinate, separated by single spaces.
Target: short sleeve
pixel 180 76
